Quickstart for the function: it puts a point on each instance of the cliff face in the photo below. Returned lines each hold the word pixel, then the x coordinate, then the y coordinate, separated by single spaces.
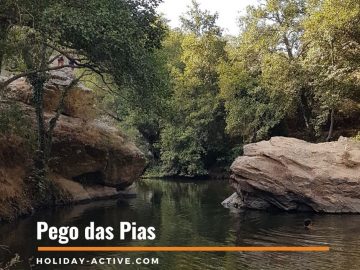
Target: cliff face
pixel 89 159
pixel 294 175
pixel 14 164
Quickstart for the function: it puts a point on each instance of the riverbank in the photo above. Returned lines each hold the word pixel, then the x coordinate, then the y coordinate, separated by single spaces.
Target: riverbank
pixel 218 173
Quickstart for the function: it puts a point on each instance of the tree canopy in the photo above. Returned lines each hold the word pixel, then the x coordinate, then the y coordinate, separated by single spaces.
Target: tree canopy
pixel 191 97
pixel 114 39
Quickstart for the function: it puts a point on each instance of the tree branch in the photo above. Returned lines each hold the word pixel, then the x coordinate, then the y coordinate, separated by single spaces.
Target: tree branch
pixel 28 73
pixel 53 59
pixel 90 66
pixel 112 115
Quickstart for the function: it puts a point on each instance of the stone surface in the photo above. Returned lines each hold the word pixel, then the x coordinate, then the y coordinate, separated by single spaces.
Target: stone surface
pixel 79 192
pixel 94 153
pixel 89 159
pixel 19 90
pixel 294 175
pixel 13 169
pixel 233 201
pixel 79 101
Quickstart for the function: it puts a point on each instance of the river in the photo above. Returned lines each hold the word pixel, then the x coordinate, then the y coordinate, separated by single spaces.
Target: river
pixel 190 214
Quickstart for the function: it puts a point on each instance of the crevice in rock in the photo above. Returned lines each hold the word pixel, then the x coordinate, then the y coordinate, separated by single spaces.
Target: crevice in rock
pixel 275 160
pixel 90 178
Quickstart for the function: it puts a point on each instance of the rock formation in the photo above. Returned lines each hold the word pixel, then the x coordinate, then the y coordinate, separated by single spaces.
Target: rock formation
pixel 79 101
pixel 89 159
pixel 294 175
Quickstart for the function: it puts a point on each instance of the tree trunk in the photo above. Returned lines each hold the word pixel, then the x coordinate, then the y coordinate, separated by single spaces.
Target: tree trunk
pixel 4 27
pixel 331 128
pixel 53 120
pixel 288 47
pixel 37 82
pixel 306 113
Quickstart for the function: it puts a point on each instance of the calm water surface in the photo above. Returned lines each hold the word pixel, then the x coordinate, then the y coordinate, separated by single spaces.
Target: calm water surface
pixel 190 214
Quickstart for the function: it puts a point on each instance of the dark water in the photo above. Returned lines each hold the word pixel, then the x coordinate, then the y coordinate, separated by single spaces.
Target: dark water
pixel 190 214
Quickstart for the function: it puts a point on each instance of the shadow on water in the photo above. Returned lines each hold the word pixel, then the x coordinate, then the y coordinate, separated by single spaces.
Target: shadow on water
pixel 190 214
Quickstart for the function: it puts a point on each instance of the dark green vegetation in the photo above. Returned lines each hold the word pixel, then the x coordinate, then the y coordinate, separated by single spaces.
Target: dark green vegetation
pixel 293 71
pixel 191 97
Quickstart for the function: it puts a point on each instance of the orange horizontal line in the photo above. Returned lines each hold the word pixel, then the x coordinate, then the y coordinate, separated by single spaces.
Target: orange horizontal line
pixel 187 249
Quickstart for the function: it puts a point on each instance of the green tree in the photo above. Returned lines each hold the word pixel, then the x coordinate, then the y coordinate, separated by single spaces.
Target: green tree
pixel 110 38
pixel 262 83
pixel 200 22
pixel 193 137
pixel 331 32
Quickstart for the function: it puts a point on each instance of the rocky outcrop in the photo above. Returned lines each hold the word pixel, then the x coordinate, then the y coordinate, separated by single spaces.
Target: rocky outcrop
pixel 294 175
pixel 79 101
pixel 89 159
pixel 13 169
pixel 94 153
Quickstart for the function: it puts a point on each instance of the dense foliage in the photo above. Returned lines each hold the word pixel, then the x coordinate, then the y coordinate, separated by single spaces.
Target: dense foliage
pixel 293 71
pixel 191 97
pixel 111 38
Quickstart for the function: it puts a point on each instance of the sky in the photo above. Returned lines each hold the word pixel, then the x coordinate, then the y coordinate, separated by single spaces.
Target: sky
pixel 229 11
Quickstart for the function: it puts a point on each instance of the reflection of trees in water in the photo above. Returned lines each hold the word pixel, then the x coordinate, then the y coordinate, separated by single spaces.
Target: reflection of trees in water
pixel 182 192
pixel 187 210
pixel 190 214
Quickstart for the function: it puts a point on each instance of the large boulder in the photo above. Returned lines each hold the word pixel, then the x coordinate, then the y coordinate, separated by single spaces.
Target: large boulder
pixel 294 175
pixel 92 152
pixel 13 170
pixel 89 159
pixel 79 101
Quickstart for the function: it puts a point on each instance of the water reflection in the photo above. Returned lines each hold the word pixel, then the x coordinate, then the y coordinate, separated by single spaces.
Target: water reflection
pixel 190 214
